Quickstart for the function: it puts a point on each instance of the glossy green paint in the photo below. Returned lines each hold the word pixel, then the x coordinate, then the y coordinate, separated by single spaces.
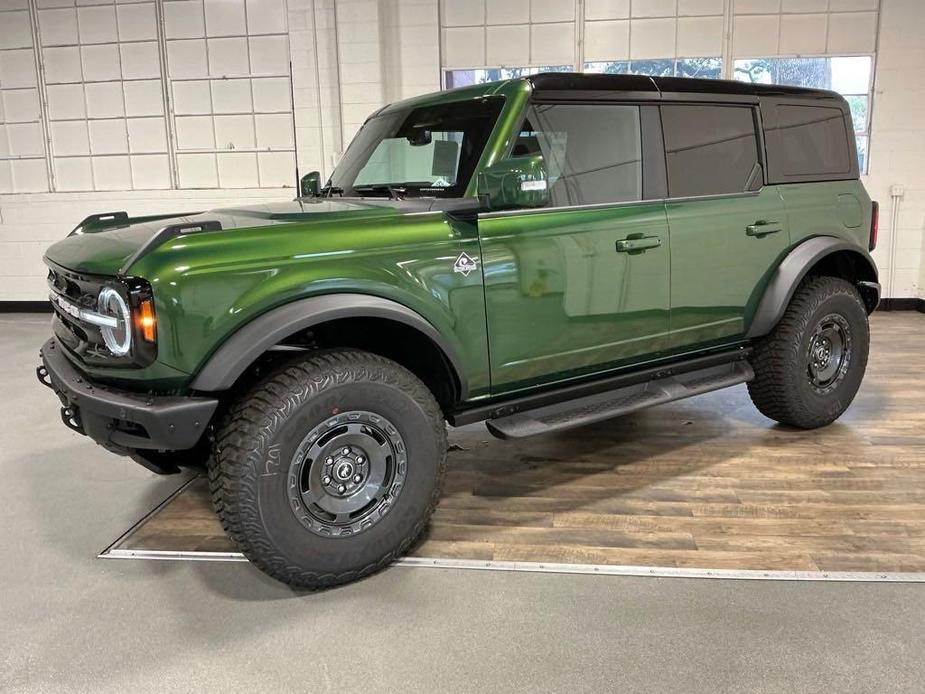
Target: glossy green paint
pixel 718 270
pixel 555 296
pixel 207 285
pixel 836 208
pixel 562 301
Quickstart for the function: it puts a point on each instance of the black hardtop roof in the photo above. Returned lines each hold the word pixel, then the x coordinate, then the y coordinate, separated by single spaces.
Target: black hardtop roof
pixel 602 83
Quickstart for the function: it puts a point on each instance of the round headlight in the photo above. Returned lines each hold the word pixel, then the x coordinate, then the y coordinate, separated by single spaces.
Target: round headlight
pixel 118 339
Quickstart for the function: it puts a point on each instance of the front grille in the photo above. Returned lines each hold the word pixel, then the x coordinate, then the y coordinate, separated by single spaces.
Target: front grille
pixel 82 339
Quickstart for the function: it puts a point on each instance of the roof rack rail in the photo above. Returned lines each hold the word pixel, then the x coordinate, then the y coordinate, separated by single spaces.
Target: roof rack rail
pixel 111 217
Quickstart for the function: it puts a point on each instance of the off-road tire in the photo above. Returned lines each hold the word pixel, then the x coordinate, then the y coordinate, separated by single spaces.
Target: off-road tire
pixel 250 473
pixel 782 388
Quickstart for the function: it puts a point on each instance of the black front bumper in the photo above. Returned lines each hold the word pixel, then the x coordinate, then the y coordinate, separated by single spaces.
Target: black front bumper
pixel 121 420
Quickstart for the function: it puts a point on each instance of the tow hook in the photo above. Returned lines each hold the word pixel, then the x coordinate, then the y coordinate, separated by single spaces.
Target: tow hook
pixel 43 376
pixel 71 419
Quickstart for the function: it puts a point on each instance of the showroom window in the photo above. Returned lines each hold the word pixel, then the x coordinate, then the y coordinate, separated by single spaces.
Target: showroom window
pixel 228 75
pixel 465 78
pixel 850 76
pixel 707 68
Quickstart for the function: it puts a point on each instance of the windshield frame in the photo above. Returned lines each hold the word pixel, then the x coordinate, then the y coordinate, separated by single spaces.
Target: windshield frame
pixel 394 120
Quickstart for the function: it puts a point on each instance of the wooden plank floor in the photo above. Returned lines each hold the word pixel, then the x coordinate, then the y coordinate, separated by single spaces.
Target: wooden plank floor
pixel 703 483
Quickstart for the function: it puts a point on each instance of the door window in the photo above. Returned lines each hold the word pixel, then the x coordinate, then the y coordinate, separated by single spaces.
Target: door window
pixel 710 150
pixel 592 153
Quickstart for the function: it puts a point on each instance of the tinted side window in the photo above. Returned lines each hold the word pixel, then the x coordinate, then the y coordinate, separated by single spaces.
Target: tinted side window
pixel 710 150
pixel 593 153
pixel 812 141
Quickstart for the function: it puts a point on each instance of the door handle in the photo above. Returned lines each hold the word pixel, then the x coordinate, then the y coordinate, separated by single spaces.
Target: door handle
pixel 763 227
pixel 640 244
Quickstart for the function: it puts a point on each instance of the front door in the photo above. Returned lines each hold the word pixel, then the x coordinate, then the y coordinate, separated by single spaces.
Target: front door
pixel 728 231
pixel 581 285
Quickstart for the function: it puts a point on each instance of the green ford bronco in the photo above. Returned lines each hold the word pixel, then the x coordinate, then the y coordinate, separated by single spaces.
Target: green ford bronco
pixel 537 254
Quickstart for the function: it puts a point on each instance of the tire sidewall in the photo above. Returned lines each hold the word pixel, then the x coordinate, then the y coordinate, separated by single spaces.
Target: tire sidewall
pixel 846 304
pixel 304 548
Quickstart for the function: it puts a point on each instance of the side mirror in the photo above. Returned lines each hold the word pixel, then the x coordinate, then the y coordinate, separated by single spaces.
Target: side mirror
pixel 310 185
pixel 515 182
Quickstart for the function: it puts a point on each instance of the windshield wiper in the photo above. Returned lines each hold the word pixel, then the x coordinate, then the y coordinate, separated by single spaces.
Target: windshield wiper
pixel 393 192
pixel 330 190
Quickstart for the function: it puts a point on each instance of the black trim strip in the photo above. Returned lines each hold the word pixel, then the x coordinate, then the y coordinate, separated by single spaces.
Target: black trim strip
pixel 902 304
pixel 501 407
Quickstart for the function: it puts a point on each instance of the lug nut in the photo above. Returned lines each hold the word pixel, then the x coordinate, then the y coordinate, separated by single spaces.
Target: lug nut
pixel 325 480
pixel 329 461
pixel 345 451
pixel 360 460
pixel 341 488
pixel 357 479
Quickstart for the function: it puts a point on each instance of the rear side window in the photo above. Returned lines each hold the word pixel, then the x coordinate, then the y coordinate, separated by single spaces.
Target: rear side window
pixel 710 150
pixel 813 141
pixel 592 153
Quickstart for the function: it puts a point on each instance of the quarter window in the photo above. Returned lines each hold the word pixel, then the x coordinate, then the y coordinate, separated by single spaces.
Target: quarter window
pixel 710 150
pixel 592 153
pixel 813 141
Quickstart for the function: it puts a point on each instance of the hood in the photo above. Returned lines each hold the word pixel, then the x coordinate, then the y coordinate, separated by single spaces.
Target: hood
pixel 110 244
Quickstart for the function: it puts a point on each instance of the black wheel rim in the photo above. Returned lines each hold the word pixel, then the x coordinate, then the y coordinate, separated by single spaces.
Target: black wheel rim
pixel 347 473
pixel 829 353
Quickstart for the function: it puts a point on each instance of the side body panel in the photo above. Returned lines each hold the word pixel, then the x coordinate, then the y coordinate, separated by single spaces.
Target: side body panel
pixel 836 208
pixel 561 301
pixel 206 288
pixel 718 270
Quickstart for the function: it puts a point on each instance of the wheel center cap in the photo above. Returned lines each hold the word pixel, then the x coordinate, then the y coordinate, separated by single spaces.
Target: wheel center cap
pixel 344 471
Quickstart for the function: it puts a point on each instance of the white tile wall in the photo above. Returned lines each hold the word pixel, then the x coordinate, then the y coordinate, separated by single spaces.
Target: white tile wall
pixel 607 40
pixel 507 11
pixel 803 34
pixel 607 9
pixel 652 38
pixel 386 50
pixel 507 45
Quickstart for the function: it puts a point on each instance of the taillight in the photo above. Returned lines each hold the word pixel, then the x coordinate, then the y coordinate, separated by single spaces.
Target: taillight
pixel 874 225
pixel 147 321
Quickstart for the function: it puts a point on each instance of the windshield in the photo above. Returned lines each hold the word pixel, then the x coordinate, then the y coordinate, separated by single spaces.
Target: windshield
pixel 429 151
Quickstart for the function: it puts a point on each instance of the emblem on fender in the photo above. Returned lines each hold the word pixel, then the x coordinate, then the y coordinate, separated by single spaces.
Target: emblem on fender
pixel 465 264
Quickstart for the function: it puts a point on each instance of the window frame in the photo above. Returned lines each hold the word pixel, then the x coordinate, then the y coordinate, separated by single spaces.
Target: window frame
pixel 757 125
pixel 769 115
pixel 651 142
pixel 866 132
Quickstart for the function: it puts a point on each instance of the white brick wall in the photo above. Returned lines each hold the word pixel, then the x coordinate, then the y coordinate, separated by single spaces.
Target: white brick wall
pixel 897 145
pixel 350 57
pixel 31 223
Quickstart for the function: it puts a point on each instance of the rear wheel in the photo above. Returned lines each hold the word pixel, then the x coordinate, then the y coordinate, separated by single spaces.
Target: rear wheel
pixel 808 370
pixel 327 470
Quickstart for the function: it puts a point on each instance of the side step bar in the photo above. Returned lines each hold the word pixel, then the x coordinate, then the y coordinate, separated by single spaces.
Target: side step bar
pixel 620 401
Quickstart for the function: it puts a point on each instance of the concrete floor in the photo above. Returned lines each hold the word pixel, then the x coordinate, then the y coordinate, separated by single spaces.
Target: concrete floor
pixel 71 622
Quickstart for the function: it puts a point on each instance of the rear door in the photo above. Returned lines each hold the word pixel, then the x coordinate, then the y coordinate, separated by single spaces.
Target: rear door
pixel 728 230
pixel 581 285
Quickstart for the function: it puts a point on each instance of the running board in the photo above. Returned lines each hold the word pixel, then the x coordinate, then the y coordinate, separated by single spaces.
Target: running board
pixel 620 401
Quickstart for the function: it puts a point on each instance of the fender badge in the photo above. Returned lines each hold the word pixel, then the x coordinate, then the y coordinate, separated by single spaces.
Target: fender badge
pixel 465 264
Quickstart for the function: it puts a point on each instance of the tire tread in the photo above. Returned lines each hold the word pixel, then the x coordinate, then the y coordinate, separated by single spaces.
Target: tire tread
pixel 247 427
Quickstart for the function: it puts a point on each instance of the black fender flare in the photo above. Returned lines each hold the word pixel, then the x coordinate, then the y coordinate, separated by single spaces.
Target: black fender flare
pixel 794 267
pixel 243 348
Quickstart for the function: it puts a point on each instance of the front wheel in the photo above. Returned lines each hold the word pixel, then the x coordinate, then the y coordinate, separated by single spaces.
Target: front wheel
pixel 328 469
pixel 809 368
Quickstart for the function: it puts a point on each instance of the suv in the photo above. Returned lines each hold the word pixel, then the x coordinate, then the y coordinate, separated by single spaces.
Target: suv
pixel 538 254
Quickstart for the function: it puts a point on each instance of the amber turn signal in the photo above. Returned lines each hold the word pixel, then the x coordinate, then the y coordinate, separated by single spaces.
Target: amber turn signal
pixel 147 321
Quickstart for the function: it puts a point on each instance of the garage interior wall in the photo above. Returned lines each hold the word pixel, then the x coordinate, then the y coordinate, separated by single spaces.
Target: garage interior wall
pixel 174 105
